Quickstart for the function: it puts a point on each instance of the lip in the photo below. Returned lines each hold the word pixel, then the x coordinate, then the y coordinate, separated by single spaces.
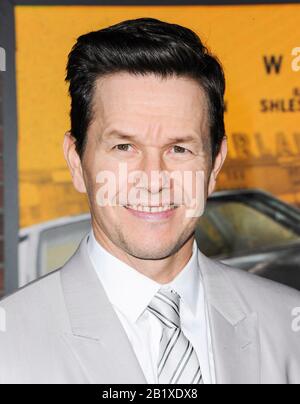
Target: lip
pixel 152 216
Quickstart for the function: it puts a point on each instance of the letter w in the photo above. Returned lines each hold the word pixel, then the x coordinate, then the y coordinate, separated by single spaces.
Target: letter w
pixel 273 63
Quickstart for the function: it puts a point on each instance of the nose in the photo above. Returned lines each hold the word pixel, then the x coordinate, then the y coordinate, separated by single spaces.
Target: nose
pixel 155 171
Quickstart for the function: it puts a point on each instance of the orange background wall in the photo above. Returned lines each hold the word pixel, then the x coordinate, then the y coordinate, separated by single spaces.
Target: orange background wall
pixel 264 146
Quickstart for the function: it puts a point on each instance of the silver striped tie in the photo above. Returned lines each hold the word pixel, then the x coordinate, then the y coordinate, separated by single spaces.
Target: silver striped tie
pixel 178 362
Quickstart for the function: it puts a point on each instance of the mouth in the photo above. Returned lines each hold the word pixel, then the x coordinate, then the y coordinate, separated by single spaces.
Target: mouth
pixel 152 212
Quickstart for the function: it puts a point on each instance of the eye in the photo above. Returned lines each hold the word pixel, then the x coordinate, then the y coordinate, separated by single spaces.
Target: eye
pixel 180 150
pixel 122 147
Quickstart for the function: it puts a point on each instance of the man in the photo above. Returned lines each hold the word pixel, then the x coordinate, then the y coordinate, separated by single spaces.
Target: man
pixel 138 302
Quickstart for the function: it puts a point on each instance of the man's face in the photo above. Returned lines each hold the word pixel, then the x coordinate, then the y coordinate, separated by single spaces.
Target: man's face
pixel 167 127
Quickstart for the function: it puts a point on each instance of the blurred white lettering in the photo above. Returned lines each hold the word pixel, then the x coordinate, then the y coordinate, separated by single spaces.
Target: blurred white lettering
pixel 296 321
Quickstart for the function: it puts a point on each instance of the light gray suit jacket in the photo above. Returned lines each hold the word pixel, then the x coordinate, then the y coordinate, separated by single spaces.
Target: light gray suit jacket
pixel 63 329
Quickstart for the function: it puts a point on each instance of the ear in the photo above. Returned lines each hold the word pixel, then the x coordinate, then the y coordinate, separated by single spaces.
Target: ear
pixel 74 163
pixel 221 157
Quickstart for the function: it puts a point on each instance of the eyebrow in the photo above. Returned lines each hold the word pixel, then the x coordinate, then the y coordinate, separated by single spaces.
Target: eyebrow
pixel 176 139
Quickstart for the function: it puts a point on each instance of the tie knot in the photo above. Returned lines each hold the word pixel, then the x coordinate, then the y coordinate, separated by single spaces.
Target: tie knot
pixel 166 307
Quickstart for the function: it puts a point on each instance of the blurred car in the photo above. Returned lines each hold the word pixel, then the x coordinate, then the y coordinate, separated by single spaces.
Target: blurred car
pixel 250 230
pixel 255 232
pixel 47 246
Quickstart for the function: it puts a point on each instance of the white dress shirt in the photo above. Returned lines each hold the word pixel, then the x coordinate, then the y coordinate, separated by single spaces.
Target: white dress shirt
pixel 130 293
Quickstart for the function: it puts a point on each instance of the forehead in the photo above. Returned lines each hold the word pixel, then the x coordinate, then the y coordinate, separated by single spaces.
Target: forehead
pixel 176 100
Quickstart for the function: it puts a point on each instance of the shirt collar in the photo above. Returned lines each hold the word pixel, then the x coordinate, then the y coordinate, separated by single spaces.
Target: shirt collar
pixel 187 282
pixel 130 291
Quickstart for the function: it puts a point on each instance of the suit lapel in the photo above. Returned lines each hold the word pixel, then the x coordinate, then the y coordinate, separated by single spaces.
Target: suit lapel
pixel 234 329
pixel 98 339
pixel 101 346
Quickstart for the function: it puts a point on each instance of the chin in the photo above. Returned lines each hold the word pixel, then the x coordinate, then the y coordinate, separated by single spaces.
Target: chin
pixel 152 250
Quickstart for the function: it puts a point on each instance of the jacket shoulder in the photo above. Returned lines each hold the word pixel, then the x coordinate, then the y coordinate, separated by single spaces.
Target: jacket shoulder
pixel 258 284
pixel 41 288
pixel 31 308
pixel 262 295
